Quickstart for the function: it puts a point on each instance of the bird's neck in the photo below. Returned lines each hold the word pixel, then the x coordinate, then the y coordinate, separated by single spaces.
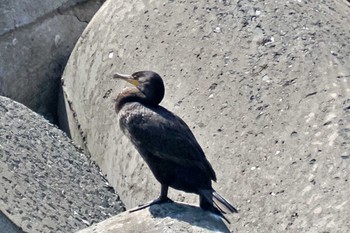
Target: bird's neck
pixel 130 95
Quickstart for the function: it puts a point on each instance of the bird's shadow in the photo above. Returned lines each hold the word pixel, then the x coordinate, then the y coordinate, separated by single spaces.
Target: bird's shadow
pixel 193 215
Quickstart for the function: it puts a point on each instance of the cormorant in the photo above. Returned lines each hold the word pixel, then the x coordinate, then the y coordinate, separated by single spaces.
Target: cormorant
pixel 165 142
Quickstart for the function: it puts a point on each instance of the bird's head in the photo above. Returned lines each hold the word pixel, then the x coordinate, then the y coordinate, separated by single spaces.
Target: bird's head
pixel 147 82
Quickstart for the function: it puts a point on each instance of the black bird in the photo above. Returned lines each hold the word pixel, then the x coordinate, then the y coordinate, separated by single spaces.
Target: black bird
pixel 165 142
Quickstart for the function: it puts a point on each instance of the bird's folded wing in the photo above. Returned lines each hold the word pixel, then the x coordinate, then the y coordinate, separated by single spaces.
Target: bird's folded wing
pixel 167 136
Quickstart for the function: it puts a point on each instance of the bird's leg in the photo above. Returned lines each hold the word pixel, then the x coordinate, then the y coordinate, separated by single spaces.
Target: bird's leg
pixel 164 194
pixel 163 198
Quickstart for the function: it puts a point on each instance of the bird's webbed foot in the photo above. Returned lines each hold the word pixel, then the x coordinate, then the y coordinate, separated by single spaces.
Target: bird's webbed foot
pixel 159 200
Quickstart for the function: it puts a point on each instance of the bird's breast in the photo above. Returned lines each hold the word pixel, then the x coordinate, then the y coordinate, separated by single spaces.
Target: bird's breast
pixel 130 115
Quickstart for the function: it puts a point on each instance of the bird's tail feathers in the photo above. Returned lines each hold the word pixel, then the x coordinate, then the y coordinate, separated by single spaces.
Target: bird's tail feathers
pixel 211 199
pixel 220 202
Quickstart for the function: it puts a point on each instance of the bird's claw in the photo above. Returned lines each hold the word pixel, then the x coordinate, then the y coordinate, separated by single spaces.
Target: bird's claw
pixel 154 202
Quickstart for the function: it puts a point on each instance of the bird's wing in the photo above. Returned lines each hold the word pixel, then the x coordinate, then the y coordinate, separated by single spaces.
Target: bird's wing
pixel 167 136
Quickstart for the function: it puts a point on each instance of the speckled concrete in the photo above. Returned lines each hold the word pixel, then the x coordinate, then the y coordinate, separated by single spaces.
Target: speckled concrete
pixel 169 218
pixel 264 85
pixel 46 183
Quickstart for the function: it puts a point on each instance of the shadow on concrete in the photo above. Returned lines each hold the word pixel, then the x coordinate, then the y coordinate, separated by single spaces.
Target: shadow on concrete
pixel 190 214
pixel 6 225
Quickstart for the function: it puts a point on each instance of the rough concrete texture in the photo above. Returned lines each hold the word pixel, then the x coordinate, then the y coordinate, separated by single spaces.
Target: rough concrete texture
pixel 16 13
pixel 46 183
pixel 263 84
pixel 170 218
pixel 36 38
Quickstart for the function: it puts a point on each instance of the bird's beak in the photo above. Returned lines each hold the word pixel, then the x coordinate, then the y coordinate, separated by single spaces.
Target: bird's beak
pixel 128 78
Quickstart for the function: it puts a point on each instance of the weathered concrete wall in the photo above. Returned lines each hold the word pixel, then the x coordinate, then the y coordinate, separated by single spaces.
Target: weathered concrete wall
pixel 36 39
pixel 46 183
pixel 263 84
